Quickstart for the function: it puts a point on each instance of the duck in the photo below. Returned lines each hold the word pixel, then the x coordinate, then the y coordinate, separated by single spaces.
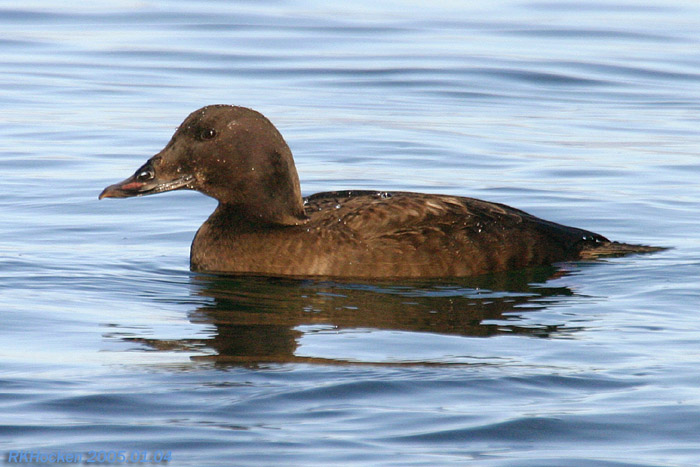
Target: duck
pixel 264 226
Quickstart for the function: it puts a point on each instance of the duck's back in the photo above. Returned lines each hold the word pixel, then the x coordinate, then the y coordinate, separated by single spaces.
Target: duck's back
pixel 369 234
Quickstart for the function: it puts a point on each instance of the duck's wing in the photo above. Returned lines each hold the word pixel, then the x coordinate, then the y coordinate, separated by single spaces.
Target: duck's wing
pixel 440 235
pixel 386 214
pixel 453 232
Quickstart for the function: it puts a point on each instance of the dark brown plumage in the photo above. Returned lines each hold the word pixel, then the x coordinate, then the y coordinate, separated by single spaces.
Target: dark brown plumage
pixel 263 226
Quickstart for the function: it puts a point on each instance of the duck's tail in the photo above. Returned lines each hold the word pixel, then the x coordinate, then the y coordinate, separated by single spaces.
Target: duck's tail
pixel 612 249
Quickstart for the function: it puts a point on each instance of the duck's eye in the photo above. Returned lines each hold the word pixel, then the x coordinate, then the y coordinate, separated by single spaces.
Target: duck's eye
pixel 206 134
pixel 145 174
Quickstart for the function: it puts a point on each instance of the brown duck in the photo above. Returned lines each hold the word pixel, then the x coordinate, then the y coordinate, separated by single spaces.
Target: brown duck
pixel 263 226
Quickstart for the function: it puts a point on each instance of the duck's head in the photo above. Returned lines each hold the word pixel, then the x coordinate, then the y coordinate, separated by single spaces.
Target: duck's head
pixel 233 154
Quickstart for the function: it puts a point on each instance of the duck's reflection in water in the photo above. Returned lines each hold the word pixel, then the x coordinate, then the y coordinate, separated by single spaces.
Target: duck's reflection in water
pixel 258 320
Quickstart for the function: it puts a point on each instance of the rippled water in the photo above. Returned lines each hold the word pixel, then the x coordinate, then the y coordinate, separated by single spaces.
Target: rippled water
pixel 585 114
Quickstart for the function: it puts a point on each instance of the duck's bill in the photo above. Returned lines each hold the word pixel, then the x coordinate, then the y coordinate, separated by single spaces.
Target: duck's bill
pixel 134 187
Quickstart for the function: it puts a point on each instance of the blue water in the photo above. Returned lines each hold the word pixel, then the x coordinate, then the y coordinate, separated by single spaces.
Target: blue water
pixel 583 113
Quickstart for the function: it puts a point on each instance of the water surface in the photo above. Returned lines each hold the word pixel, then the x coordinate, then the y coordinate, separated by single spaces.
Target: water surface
pixel 583 114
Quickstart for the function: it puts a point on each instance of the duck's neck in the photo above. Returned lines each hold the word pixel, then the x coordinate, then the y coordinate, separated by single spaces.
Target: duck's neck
pixel 237 217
